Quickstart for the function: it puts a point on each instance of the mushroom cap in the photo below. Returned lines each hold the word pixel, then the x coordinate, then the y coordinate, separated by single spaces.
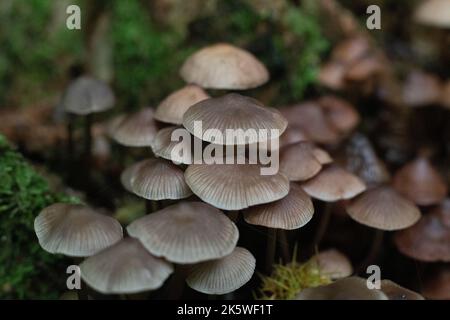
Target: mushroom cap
pixel 397 292
pixel 334 183
pixel 134 130
pixel 299 162
pixel 311 118
pixel 437 287
pixel 383 208
pixel 235 186
pixel 351 49
pixel 234 111
pixel 434 13
pixel 223 275
pixel 331 75
pixel 124 268
pixel 87 95
pixel 352 288
pixel 164 147
pixel 223 66
pixel 155 179
pixel 292 212
pixel 172 108
pixel 420 182
pixel 421 89
pixel 75 230
pixel 342 115
pixel 334 264
pixel 364 68
pixel 429 239
pixel 187 232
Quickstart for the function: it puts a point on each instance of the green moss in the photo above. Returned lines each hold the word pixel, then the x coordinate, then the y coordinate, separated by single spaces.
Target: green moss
pixel 26 271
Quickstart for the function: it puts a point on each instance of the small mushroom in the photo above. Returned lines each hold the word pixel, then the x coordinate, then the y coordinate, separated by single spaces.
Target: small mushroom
pixel 340 114
pixel 421 89
pixel 333 264
pixel 224 66
pixel 75 230
pixel 235 186
pixel 429 239
pixel 172 108
pixel 234 111
pixel 187 232
pixel 291 212
pixel 334 183
pixel 223 275
pixel 352 288
pixel 434 13
pixel 125 268
pixel 420 182
pixel 155 179
pixel 383 208
pixel 135 130
pixel 165 147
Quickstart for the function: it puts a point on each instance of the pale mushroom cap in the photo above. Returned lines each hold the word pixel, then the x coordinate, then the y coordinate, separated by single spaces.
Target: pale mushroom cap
pixel 421 89
pixel 397 292
pixel 383 208
pixel 126 267
pixel 172 108
pixel 223 275
pixel 155 179
pixel 334 183
pixel 134 130
pixel 223 66
pixel 429 239
pixel 292 212
pixel 75 230
pixel 87 95
pixel 434 13
pixel 352 288
pixel 420 182
pixel 171 149
pixel 187 232
pixel 334 264
pixel 332 74
pixel 234 111
pixel 298 161
pixel 235 186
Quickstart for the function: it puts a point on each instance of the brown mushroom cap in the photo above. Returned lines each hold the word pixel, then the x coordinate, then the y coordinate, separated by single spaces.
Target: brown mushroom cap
pixel 234 111
pixel 364 68
pixel 429 239
pixel 383 208
pixel 87 95
pixel 437 287
pixel 155 179
pixel 420 182
pixel 298 161
pixel 434 13
pixel 341 115
pixel 351 49
pixel 352 288
pixel 124 268
pixel 311 118
pixel 75 230
pixel 172 108
pixel 223 66
pixel 396 292
pixel 334 183
pixel 223 275
pixel 421 89
pixel 164 147
pixel 187 232
pixel 235 186
pixel 331 75
pixel 134 130
pixel 292 212
pixel 333 263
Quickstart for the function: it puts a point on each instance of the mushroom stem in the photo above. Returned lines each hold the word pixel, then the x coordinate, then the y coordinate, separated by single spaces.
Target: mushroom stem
pixel 176 284
pixel 323 224
pixel 284 245
pixel 88 137
pixel 83 291
pixel 151 206
pixel 374 250
pixel 70 139
pixel 271 248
